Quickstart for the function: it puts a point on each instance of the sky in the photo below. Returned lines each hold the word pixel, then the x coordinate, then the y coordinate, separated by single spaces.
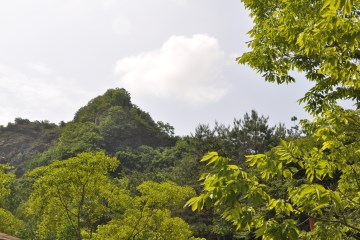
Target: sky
pixel 175 57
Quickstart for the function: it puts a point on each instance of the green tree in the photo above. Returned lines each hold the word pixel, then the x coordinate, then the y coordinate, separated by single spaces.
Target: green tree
pixel 328 193
pixel 155 224
pixel 319 38
pixel 71 197
pixel 122 123
pixel 252 134
pixel 75 138
pixel 150 216
pixel 9 223
pixel 94 110
pixel 316 176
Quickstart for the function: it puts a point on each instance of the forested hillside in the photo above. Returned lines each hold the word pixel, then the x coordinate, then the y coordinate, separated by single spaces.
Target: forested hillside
pixel 22 140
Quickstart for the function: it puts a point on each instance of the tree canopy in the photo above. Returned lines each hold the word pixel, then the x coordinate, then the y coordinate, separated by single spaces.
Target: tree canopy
pixel 71 196
pixel 314 178
pixel 318 38
pixel 306 187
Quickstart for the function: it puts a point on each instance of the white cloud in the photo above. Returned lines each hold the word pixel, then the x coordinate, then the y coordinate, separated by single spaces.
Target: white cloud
pixel 189 69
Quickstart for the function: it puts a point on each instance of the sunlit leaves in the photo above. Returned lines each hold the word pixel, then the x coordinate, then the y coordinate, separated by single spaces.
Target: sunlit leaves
pixel 230 187
pixel 319 38
pixel 5 181
pixel 137 225
pixel 70 196
pixel 320 172
pixel 9 223
pixel 149 215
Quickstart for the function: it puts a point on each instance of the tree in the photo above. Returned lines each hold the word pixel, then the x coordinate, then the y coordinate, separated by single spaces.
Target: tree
pixel 100 105
pixel 252 134
pixel 316 177
pixel 122 123
pixel 319 38
pixel 71 197
pixel 155 224
pixel 9 223
pixel 150 216
pixel 74 139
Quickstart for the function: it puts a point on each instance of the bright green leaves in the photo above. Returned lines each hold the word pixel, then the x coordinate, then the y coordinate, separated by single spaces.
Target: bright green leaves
pixel 331 7
pixel 9 223
pixel 316 176
pixel 145 224
pixel 211 157
pixel 163 195
pixel 287 153
pixel 318 38
pixel 233 190
pixel 76 199
pixel 310 198
pixel 272 229
pixel 5 180
pixel 149 215
pixel 280 206
pixel 320 171
pixel 198 203
pixel 70 196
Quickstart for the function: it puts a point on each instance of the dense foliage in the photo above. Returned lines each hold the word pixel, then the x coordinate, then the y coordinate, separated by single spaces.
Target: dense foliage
pixel 22 140
pixel 109 122
pixel 319 38
pixel 114 173
pixel 305 188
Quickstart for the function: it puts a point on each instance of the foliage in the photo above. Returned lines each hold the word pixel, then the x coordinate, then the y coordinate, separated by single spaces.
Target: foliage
pixel 328 193
pixel 5 182
pixel 319 38
pixel 251 134
pixel 123 123
pixel 317 176
pixel 34 196
pixel 150 224
pixel 121 128
pixel 109 122
pixel 23 140
pixel 97 106
pixel 75 138
pixel 9 223
pixel 150 217
pixel 73 195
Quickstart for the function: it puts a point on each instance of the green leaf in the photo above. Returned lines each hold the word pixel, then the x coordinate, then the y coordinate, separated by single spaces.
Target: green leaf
pixel 287 173
pixel 208 156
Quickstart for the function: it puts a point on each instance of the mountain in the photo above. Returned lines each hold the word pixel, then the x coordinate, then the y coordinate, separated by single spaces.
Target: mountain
pixel 110 122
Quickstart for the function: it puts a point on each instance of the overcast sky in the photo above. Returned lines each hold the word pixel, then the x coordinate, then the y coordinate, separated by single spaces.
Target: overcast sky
pixel 175 57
